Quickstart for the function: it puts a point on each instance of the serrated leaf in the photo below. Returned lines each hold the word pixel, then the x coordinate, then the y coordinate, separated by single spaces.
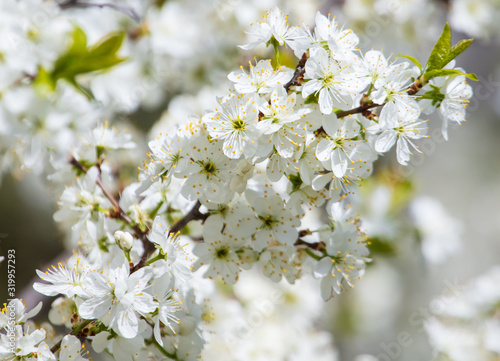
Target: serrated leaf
pixel 447 72
pixel 412 59
pixel 456 50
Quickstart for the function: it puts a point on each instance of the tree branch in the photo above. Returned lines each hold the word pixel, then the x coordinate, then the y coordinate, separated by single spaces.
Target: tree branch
pixel 79 4
pixel 119 212
pixel 76 332
pixel 298 74
pixel 193 215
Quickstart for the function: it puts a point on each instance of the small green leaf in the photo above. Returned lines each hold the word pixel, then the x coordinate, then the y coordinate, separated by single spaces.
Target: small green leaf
pixel 458 49
pixel 447 72
pixel 81 59
pixel 435 95
pixel 412 59
pixel 110 44
pixel 380 246
pixel 443 53
pixel 440 50
pixel 43 82
pixel 79 44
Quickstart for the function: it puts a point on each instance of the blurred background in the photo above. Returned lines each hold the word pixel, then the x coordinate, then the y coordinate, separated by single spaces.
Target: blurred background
pixel 388 305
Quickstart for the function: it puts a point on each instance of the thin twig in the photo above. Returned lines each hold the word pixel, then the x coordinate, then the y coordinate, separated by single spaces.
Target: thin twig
pixel 76 332
pixel 123 9
pixel 119 212
pixel 193 215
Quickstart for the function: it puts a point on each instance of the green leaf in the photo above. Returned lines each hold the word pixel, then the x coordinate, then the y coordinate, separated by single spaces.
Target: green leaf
pixel 81 59
pixel 110 44
pixel 443 53
pixel 458 49
pixel 435 95
pixel 447 72
pixel 380 246
pixel 412 59
pixel 43 82
pixel 440 51
pixel 79 44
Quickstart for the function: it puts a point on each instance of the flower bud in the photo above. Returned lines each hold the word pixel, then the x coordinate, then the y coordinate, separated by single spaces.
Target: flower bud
pixel 124 240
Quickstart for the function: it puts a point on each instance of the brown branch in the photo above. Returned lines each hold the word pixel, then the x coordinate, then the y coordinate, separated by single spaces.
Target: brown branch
pixel 78 331
pixel 316 246
pixel 360 109
pixel 193 215
pixel 298 75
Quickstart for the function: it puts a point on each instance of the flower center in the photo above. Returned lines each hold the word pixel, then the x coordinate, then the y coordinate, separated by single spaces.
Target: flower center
pixel 209 168
pixel 222 252
pixel 238 124
pixel 268 221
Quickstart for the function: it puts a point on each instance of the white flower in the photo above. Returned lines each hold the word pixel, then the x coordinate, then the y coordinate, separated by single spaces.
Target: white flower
pixel 261 79
pixel 123 349
pixel 166 157
pixel 452 107
pixel 331 78
pixel 218 253
pixel 400 125
pixel 234 218
pixel 15 311
pixel 116 297
pixel 277 166
pixel 82 200
pixel 176 257
pixel 393 85
pixel 339 148
pixel 280 124
pixel 340 186
pixel 342 42
pixel 345 261
pixel 43 353
pixel 276 262
pixel 207 173
pixel 167 306
pixel 307 164
pixel 61 311
pixel 25 343
pixel 67 280
pixel 376 68
pixel 242 173
pixel 275 26
pixel 234 123
pixel 277 225
pixel 102 137
pixel 72 349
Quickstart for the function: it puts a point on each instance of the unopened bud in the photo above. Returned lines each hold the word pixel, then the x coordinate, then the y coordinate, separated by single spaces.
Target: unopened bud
pixel 124 240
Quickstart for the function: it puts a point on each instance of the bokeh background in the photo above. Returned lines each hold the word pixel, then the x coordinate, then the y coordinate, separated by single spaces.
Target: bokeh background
pixel 463 174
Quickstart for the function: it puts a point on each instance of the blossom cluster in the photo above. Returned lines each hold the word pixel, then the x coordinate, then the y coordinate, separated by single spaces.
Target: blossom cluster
pixel 256 169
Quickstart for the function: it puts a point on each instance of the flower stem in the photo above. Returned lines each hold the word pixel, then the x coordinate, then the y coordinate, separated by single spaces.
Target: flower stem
pixel 172 356
pixel 76 331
